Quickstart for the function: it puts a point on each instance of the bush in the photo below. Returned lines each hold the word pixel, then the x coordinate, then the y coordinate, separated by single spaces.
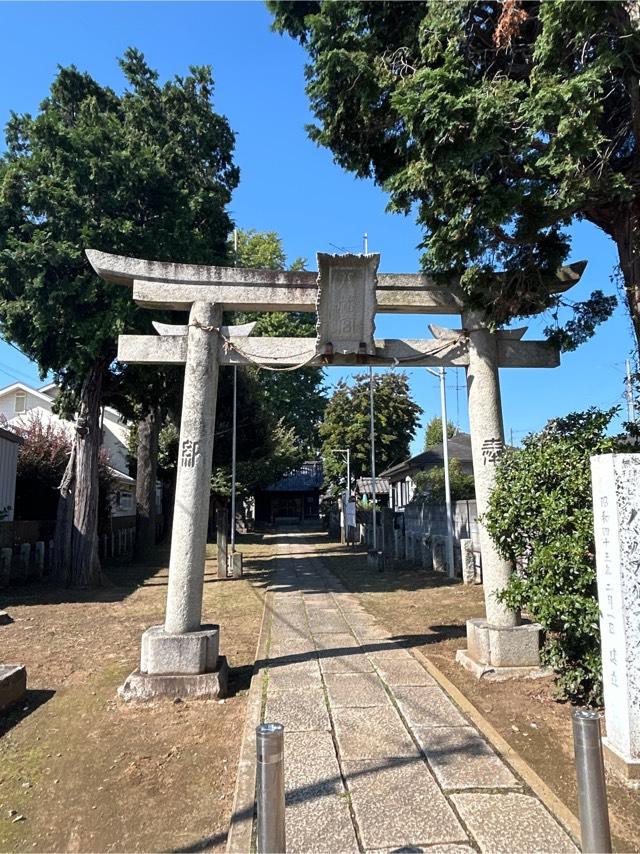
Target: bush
pixel 541 518
pixel 42 459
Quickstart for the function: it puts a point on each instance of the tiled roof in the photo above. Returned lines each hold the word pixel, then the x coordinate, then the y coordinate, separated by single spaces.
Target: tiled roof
pixel 308 476
pixel 459 449
pixel 365 486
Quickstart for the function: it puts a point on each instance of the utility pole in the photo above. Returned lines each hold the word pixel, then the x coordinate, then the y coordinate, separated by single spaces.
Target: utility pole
pixel 233 438
pixel 373 458
pixel 233 461
pixel 447 483
pixel 440 373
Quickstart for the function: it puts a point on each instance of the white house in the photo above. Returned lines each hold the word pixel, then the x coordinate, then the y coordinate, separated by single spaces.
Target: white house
pixel 9 445
pixel 19 403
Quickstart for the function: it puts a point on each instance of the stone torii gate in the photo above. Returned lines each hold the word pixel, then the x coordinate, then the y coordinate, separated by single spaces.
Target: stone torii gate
pixel 181 657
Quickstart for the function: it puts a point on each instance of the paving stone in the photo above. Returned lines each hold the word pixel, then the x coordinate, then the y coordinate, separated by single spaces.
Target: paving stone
pixel 452 848
pixel 327 621
pixel 461 759
pixel 355 662
pixel 290 675
pixel 427 707
pixel 366 632
pixel 290 628
pixel 336 641
pixel 403 672
pixel 311 766
pixel 504 823
pixel 363 734
pixel 297 707
pixel 283 647
pixel 353 690
pixel 397 803
pixel 381 649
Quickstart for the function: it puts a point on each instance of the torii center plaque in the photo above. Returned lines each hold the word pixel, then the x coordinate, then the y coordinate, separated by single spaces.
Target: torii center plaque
pixel 346 303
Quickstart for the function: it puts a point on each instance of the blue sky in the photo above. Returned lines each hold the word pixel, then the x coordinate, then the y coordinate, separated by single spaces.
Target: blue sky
pixel 287 183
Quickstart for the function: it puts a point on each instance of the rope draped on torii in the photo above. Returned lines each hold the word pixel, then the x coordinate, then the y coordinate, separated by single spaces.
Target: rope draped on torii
pixel 346 293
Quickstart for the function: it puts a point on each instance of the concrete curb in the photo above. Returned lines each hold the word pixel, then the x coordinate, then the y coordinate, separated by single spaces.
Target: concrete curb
pixel 552 802
pixel 239 836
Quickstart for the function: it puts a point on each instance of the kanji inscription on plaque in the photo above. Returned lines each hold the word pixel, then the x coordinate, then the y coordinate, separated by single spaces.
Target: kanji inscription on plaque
pixel 346 302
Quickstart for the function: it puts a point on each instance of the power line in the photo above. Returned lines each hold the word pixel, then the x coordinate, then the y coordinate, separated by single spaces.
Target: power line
pixel 13 371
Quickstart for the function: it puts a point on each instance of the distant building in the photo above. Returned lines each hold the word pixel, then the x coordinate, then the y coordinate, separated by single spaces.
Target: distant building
pixel 401 476
pixel 9 446
pixel 293 500
pixel 19 403
pixel 364 489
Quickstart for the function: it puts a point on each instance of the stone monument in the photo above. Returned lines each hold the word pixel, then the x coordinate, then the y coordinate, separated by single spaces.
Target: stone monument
pixel 616 520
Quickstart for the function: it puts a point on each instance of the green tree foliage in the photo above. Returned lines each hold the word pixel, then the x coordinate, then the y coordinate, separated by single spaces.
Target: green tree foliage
pixel 433 432
pixel 541 518
pixel 346 424
pixel 430 484
pixel 497 124
pixel 147 173
pixel 297 397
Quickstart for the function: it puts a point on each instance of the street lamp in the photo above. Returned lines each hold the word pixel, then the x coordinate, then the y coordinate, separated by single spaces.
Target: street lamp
pixel 440 373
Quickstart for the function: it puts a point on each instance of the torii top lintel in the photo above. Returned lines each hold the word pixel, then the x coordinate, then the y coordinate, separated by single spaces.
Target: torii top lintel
pixel 164 285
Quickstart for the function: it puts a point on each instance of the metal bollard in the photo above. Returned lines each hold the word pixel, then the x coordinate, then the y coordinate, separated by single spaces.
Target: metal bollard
pixel 592 791
pixel 270 788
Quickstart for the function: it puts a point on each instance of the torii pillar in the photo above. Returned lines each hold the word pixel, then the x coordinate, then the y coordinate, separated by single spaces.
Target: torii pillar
pixel 498 645
pixel 180 658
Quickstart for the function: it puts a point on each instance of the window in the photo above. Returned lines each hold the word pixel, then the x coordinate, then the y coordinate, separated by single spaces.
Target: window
pixel 21 401
pixel 125 500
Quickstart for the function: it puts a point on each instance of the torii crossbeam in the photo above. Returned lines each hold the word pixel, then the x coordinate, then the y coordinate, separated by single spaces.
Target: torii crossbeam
pixel 346 294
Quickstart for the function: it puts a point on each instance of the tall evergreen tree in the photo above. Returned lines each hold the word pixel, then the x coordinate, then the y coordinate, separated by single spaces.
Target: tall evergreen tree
pixel 297 397
pixel 498 123
pixel 147 173
pixel 433 432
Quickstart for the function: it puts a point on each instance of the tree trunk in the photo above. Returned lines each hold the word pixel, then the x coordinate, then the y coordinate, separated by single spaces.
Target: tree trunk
pixel 64 522
pixel 85 560
pixel 168 497
pixel 147 463
pixel 625 230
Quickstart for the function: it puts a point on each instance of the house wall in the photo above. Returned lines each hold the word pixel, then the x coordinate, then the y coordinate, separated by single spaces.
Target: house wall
pixel 115 436
pixel 8 463
pixel 8 404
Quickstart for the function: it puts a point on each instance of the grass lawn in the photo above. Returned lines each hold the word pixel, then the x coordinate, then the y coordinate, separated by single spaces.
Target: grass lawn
pixel 89 772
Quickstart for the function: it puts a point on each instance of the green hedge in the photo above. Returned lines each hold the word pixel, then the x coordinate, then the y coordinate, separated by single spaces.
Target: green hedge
pixel 540 515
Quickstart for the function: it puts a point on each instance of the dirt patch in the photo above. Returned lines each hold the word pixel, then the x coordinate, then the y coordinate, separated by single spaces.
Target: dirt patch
pixel 90 773
pixel 430 612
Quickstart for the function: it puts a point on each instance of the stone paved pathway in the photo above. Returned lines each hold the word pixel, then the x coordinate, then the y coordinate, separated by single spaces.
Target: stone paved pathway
pixel 377 757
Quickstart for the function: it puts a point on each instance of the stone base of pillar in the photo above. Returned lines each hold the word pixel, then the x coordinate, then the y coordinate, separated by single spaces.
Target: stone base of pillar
pixel 172 665
pixel 502 653
pixel 624 768
pixel 198 686
pixel 188 653
pixel 235 564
